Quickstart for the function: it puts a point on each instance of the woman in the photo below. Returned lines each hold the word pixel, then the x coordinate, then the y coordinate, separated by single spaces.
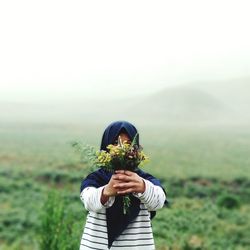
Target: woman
pixel 101 193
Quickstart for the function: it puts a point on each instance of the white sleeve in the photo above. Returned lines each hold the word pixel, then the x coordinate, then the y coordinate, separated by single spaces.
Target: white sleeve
pixel 91 198
pixel 153 197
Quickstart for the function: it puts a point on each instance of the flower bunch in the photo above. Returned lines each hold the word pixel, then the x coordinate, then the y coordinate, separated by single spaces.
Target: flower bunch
pixel 123 156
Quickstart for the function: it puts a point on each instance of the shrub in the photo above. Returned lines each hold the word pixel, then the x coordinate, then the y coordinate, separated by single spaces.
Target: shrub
pixel 228 201
pixel 58 229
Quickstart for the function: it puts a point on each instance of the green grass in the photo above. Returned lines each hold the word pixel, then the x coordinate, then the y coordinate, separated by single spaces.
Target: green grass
pixel 199 167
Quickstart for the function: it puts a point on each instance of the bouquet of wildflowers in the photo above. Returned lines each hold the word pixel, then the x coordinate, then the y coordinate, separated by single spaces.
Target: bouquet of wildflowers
pixel 123 156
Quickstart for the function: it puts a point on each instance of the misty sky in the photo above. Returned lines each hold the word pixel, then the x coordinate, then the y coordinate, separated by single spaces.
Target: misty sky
pixel 74 49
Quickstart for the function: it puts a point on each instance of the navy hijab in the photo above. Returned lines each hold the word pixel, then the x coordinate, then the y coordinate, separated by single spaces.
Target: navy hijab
pixel 116 220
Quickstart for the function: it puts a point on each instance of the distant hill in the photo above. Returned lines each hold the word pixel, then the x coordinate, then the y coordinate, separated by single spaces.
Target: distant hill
pixel 222 101
pixel 212 102
pixel 183 103
pixel 234 93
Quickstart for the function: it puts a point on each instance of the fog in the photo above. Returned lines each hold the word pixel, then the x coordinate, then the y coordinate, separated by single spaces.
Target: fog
pixel 141 60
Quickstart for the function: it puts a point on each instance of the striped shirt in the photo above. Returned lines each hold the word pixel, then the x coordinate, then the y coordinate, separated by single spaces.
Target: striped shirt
pixel 137 236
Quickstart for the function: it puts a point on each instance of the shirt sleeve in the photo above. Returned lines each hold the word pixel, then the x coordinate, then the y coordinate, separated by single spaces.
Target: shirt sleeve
pixel 153 196
pixel 91 198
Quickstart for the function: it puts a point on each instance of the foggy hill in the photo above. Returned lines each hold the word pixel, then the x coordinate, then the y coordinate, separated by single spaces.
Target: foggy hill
pixel 183 103
pixel 234 93
pixel 194 102
pixel 225 101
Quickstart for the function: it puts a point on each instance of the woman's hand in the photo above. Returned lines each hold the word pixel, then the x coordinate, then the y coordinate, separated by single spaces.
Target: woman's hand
pixel 110 189
pixel 123 182
pixel 128 182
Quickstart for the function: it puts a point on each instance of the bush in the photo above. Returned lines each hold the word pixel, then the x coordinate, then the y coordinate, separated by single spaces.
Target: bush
pixel 228 201
pixel 58 229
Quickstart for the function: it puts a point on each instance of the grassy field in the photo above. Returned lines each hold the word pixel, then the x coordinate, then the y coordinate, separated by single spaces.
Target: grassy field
pixel 205 171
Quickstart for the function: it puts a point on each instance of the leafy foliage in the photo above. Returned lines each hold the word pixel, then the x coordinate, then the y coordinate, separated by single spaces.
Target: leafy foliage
pixel 57 231
pixel 197 168
pixel 228 201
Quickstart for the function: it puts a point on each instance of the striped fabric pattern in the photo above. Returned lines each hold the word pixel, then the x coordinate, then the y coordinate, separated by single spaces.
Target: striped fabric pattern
pixel 137 236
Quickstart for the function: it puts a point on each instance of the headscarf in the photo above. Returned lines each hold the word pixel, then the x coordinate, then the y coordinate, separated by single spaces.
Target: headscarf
pixel 116 220
pixel 113 130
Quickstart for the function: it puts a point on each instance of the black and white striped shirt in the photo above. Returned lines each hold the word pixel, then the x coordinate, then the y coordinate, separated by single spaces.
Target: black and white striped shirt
pixel 138 234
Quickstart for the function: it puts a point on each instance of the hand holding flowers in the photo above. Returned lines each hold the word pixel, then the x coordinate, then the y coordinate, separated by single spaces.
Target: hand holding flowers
pixel 121 159
pixel 130 182
pixel 124 182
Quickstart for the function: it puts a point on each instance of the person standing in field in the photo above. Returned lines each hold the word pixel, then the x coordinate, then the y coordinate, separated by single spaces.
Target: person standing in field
pixel 107 227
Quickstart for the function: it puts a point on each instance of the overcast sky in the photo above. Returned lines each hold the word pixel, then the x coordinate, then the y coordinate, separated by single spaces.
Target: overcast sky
pixel 66 49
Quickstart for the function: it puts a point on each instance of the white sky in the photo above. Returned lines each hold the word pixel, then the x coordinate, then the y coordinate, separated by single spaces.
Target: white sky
pixel 50 49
